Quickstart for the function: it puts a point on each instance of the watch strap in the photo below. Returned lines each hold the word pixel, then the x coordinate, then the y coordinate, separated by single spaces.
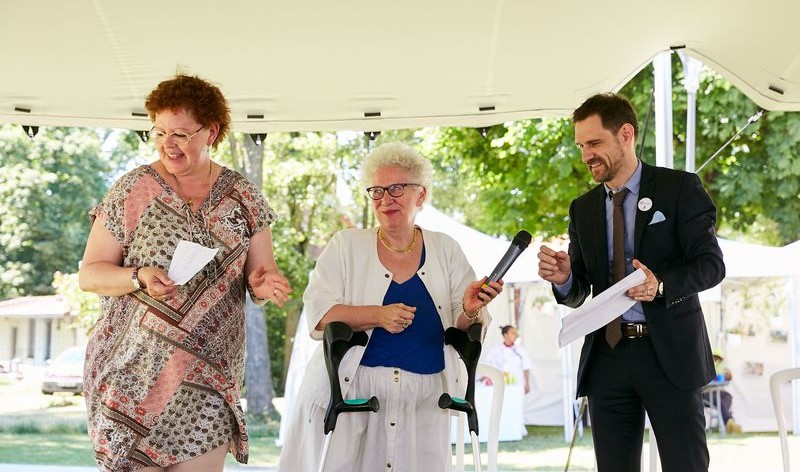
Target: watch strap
pixel 135 278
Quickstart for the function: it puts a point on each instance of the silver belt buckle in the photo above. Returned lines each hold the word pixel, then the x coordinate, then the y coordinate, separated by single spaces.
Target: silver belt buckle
pixel 639 330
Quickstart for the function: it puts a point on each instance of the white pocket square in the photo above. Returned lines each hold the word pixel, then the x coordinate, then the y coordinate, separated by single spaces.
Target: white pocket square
pixel 658 217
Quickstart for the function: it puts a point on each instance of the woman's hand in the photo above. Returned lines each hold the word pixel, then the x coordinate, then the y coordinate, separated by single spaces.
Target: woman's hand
pixel 396 317
pixel 157 283
pixel 478 294
pixel 270 285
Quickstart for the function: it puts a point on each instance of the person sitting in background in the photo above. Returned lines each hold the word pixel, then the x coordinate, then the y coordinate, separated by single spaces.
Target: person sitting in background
pixel 511 358
pixel 725 398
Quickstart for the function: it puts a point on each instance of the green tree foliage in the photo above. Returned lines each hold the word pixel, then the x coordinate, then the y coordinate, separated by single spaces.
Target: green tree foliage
pixel 521 175
pixel 754 181
pixel 302 174
pixel 524 174
pixel 84 306
pixel 47 186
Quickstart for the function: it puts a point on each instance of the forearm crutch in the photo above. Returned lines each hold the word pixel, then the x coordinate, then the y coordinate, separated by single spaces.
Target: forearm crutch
pixel 337 339
pixel 468 346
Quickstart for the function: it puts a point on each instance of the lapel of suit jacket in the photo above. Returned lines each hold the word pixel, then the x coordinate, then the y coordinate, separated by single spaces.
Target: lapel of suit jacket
pixel 597 214
pixel 642 217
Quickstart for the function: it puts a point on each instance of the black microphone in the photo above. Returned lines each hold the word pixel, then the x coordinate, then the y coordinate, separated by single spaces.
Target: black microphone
pixel 518 244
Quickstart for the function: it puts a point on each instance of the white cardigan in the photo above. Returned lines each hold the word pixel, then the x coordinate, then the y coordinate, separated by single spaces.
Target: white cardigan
pixel 349 272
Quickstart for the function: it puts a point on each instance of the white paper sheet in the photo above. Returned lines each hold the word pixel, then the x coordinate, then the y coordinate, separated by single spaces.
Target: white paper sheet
pixel 188 259
pixel 598 311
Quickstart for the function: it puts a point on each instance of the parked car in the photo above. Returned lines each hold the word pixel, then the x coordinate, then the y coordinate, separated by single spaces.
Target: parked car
pixel 64 373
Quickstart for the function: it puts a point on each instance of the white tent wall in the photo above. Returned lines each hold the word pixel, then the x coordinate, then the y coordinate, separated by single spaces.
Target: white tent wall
pixel 526 303
pixel 755 328
pixel 552 379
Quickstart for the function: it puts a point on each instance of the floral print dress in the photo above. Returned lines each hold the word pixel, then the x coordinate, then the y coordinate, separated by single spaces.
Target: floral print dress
pixel 162 378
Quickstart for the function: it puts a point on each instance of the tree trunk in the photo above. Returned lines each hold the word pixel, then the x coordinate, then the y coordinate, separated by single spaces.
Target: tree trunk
pixel 258 375
pixel 258 372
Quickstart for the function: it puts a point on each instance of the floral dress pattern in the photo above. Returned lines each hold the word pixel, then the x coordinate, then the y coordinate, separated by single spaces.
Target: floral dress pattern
pixel 162 378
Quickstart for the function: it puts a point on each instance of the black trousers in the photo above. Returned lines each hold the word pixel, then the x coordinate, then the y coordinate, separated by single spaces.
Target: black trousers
pixel 623 383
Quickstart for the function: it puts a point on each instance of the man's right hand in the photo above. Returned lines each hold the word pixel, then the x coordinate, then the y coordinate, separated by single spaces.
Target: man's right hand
pixel 554 267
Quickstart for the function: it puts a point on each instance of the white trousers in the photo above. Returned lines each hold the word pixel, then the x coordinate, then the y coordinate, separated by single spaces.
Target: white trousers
pixel 410 433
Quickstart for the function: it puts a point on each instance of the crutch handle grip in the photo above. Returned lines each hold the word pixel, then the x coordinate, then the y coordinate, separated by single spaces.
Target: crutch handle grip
pixel 446 402
pixel 468 346
pixel 337 339
pixel 360 404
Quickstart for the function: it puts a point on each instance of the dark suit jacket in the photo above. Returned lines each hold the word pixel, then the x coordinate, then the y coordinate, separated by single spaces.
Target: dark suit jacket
pixel 682 251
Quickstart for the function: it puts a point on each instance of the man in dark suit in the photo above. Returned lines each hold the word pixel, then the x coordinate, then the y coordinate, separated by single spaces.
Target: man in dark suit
pixel 662 359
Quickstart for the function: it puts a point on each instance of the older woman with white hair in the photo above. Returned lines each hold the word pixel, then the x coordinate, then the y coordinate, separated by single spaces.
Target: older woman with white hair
pixel 404 286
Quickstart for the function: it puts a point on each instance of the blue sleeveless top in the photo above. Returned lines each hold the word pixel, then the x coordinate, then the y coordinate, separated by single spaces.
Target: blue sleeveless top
pixel 418 348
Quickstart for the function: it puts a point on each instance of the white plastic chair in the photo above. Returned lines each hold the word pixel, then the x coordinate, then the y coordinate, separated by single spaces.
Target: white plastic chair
pixel 498 390
pixel 775 382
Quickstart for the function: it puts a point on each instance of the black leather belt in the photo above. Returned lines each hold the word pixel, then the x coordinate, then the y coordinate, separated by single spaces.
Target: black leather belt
pixel 634 330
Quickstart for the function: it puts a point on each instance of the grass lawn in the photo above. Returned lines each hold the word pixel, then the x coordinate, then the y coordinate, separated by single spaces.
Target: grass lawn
pixel 61 449
pixel 50 429
pixel 542 450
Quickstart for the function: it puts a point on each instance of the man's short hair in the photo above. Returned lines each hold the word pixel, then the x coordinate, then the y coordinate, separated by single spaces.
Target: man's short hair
pixel 614 111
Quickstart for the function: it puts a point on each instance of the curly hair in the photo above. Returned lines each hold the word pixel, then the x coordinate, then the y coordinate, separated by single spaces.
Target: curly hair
pixel 199 97
pixel 399 155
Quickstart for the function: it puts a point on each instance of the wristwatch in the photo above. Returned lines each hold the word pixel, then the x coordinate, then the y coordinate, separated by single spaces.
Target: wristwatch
pixel 135 278
pixel 660 290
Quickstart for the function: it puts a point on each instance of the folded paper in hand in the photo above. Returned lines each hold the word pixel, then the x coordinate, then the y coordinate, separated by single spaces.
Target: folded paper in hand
pixel 188 259
pixel 598 311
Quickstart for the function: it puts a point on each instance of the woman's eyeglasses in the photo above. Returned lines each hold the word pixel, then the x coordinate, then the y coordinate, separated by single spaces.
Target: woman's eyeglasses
pixel 394 190
pixel 178 137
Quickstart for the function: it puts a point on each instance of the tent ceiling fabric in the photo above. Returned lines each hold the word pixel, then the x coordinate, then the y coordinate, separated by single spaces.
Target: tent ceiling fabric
pixel 313 65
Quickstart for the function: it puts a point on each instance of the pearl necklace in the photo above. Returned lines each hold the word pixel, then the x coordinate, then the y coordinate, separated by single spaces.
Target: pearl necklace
pixel 183 196
pixel 405 250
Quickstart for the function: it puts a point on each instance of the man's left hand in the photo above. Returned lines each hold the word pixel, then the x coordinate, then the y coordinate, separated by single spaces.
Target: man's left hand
pixel 647 290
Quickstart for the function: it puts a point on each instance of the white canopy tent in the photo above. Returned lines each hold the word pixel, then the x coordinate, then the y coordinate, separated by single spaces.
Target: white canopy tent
pixel 373 65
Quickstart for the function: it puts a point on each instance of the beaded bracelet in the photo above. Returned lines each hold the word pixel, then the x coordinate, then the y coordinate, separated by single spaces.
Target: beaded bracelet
pixel 473 317
pixel 257 300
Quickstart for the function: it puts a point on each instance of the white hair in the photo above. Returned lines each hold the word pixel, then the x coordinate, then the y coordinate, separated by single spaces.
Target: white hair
pixel 398 155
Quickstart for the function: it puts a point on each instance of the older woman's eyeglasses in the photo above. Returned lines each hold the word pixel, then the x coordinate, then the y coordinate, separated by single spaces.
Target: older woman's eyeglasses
pixel 178 137
pixel 395 190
